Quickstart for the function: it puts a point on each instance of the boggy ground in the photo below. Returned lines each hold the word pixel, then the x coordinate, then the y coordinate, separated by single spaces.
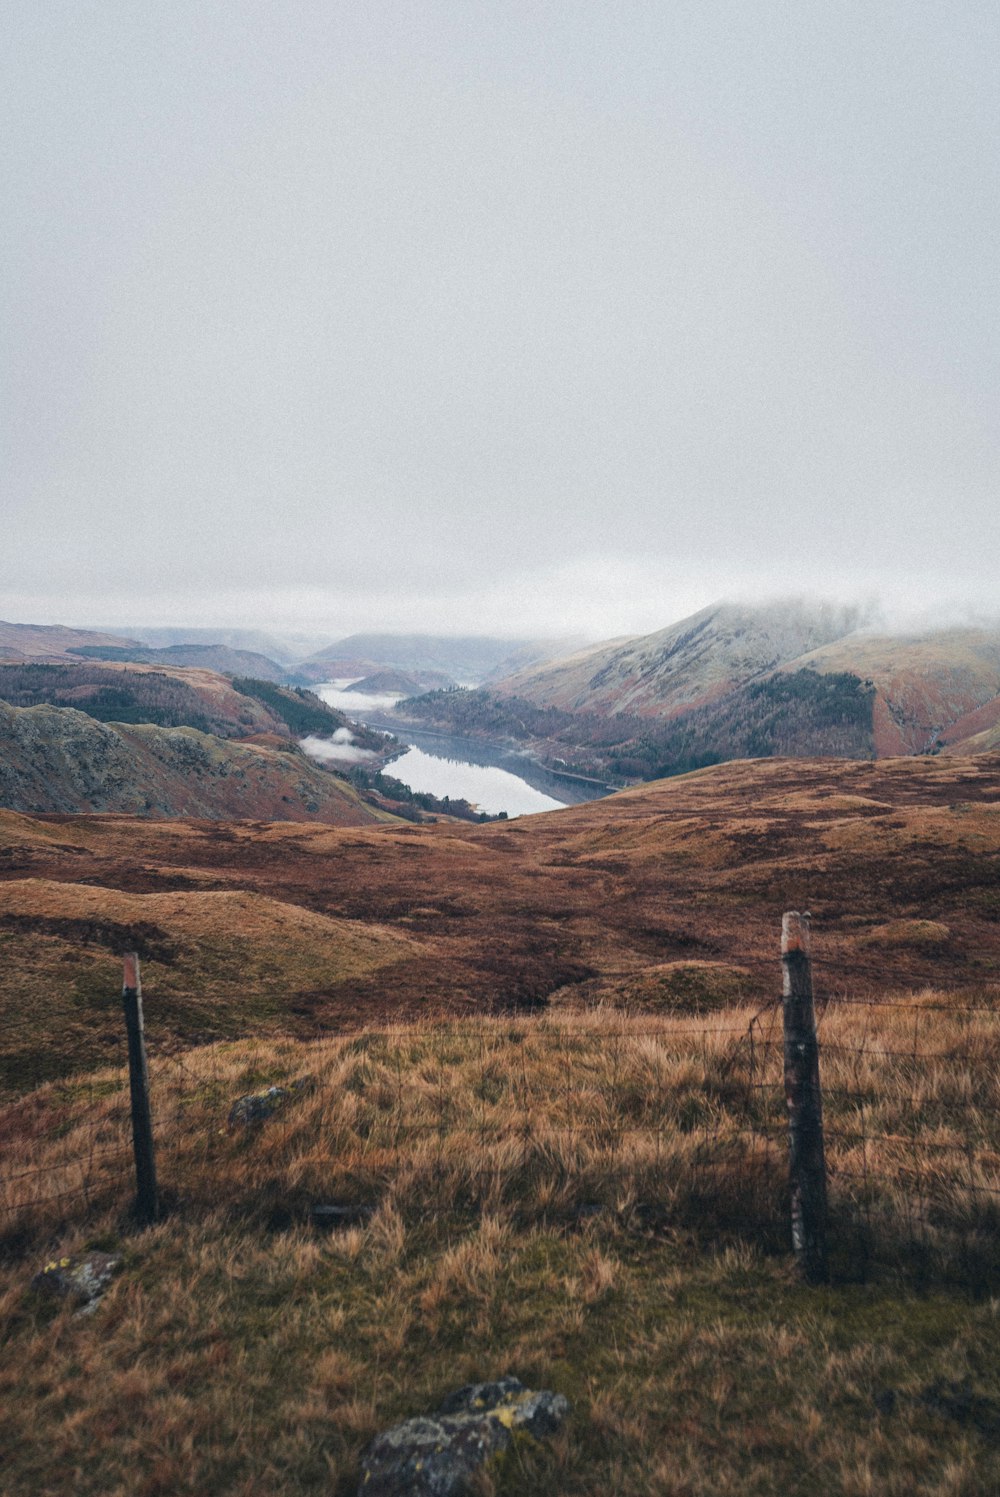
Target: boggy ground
pixel 898 861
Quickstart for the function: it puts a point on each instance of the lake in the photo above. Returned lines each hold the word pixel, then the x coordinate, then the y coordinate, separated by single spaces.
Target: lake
pixel 492 776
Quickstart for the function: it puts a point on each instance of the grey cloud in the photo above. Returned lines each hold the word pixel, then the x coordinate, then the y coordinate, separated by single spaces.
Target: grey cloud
pixel 428 309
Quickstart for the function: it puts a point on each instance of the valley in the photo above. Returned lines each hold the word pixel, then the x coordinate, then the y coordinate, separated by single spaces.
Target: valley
pixel 737 682
pixel 535 1064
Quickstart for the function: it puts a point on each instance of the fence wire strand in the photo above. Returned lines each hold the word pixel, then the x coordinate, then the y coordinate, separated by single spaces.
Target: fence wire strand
pixel 85 1156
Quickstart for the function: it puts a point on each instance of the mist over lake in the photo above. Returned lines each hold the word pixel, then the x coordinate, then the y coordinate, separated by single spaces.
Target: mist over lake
pixel 483 773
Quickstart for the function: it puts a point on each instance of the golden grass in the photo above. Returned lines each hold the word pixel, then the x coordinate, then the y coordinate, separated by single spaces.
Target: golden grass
pixel 216 960
pixel 582 1202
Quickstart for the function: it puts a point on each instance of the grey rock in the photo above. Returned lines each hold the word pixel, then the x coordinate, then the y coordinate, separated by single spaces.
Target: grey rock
pixel 81 1278
pixel 259 1106
pixel 438 1455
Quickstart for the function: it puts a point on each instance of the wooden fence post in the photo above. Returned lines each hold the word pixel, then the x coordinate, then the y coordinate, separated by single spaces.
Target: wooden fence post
pixel 804 1100
pixel 147 1205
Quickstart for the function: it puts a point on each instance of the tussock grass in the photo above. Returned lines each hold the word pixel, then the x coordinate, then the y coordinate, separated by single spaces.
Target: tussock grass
pixel 595 1204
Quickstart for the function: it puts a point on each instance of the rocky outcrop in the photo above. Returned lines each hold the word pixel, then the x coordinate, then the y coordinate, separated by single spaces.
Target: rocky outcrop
pixel 57 759
pixel 439 1455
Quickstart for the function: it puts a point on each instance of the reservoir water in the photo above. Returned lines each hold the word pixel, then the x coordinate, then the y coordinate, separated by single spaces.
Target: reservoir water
pixel 485 786
pixel 491 776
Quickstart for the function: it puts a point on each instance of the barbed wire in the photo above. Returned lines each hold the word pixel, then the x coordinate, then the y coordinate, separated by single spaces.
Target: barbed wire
pixel 740 1056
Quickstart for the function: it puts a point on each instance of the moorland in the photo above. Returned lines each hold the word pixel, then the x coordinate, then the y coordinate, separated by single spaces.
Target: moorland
pixel 515 1043
pixel 537 1062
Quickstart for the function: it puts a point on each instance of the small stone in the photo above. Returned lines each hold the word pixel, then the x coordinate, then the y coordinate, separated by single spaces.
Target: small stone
pixel 438 1455
pixel 81 1278
pixel 257 1107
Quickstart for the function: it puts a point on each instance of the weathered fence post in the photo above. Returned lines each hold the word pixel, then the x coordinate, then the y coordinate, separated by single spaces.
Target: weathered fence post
pixel 147 1204
pixel 804 1100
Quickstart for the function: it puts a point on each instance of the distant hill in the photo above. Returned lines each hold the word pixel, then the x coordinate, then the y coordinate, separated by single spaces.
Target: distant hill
pixel 284 648
pixel 801 713
pixel 404 683
pixel 169 697
pixel 931 689
pixel 56 759
pixel 468 659
pixel 52 641
pixel 739 682
pixel 219 658
pixel 684 666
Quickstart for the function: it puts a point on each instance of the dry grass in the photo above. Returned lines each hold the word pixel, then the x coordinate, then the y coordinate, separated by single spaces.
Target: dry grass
pixel 664 895
pixel 581 1202
pixel 216 961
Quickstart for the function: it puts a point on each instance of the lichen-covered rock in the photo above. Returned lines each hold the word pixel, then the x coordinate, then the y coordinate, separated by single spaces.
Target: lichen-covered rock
pixel 259 1106
pixel 82 1278
pixel 437 1455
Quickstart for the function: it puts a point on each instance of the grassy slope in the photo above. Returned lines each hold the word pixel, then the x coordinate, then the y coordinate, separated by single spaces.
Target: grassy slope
pixel 216 963
pixel 928 690
pixel 241 1353
pixel 685 665
pixel 572 904
pixel 50 641
pixel 940 687
pixel 126 692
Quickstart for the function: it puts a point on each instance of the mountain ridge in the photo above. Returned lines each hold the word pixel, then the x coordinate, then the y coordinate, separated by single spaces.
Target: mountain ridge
pixel 684 665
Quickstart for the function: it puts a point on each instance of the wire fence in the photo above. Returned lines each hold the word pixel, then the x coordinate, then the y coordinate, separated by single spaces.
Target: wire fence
pixel 668 1121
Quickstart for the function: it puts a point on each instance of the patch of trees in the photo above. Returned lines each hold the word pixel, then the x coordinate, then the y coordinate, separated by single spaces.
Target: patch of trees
pixel 301 711
pixel 111 696
pixel 795 714
pixel 405 800
pixel 462 710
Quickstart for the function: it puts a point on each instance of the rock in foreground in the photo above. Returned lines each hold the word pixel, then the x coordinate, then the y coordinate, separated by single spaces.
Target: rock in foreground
pixel 438 1455
pixel 81 1279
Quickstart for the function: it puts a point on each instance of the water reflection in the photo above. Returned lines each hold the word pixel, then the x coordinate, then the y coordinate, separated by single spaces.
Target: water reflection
pixel 493 776
pixel 484 785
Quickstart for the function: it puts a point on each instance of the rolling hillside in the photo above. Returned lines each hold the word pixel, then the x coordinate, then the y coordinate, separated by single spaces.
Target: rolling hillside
pixel 55 759
pixel 465 659
pixel 168 697
pixel 53 641
pixel 220 658
pixel 930 689
pixel 594 904
pixel 597 1202
pixel 686 665
pixel 735 682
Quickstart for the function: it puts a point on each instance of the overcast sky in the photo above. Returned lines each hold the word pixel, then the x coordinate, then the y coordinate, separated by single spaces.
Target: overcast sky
pixel 505 316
